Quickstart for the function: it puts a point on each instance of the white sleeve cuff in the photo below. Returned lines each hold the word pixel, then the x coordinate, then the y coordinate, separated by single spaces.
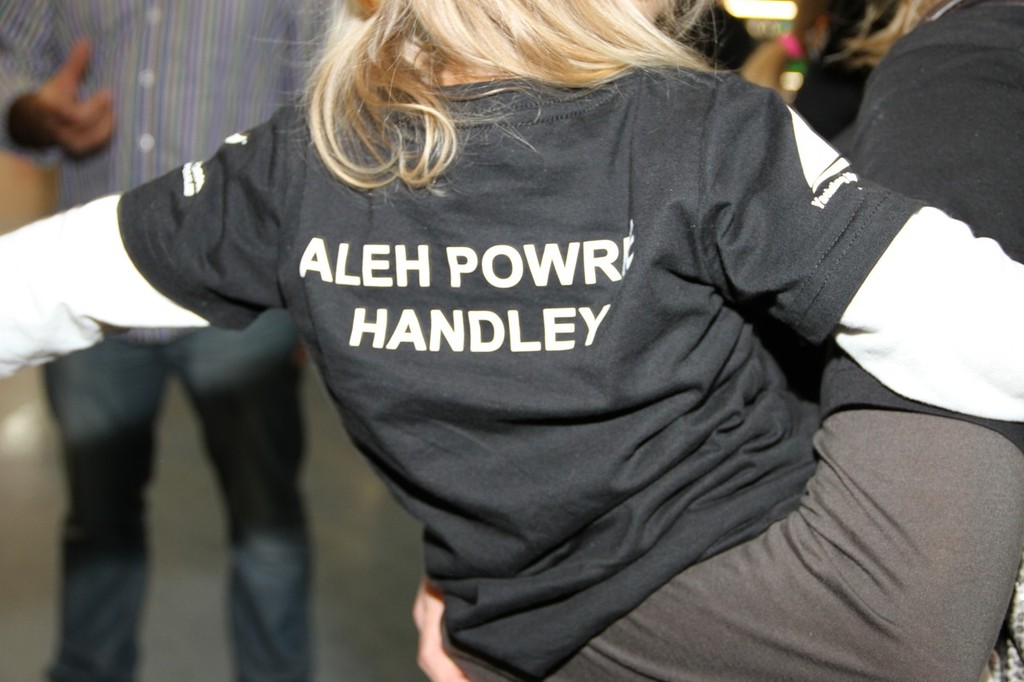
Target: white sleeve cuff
pixel 938 320
pixel 67 276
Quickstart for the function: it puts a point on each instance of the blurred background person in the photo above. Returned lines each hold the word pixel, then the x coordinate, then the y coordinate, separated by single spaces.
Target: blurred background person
pixel 115 92
pixel 832 87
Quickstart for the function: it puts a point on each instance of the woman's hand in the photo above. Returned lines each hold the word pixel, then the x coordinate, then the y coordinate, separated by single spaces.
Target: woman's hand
pixel 427 613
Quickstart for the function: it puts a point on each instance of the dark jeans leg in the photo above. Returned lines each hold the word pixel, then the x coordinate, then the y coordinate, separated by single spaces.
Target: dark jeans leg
pixel 104 400
pixel 245 388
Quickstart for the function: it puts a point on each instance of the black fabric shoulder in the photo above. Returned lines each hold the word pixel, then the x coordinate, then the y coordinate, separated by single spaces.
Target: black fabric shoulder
pixel 207 235
pixel 777 203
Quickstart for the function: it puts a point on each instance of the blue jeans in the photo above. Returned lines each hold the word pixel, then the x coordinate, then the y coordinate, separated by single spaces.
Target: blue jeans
pixel 244 386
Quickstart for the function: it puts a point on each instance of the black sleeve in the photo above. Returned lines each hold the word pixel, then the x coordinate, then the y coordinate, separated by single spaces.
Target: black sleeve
pixel 786 225
pixel 941 121
pixel 207 235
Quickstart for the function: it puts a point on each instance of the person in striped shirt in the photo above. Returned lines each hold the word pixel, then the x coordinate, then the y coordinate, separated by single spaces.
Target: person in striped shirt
pixel 117 92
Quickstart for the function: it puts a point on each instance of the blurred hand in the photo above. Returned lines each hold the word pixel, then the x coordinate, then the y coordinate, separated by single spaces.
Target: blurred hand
pixel 54 114
pixel 427 613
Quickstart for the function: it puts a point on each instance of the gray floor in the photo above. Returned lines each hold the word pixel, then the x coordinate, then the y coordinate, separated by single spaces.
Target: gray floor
pixel 367 552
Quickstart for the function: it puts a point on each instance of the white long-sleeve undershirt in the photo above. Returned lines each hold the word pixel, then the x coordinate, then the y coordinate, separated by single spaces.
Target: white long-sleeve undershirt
pixel 935 320
pixel 66 277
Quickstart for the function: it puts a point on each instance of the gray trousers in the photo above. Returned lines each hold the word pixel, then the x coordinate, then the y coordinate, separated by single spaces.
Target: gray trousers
pixel 898 566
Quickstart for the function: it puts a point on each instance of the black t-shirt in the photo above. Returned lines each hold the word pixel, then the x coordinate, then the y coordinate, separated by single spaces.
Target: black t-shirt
pixel 943 120
pixel 545 358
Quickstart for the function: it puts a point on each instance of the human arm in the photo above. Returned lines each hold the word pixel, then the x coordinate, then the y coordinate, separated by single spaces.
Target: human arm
pixel 65 279
pixel 204 235
pixel 428 614
pixel 937 320
pixel 925 90
pixel 804 255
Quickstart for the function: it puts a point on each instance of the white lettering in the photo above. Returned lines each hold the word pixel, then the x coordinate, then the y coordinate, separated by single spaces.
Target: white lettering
pixel 421 265
pixel 408 330
pixel 826 195
pixel 462 260
pixel 600 254
pixel 194 177
pixel 540 268
pixel 502 266
pixel 552 328
pixel 454 332
pixel 315 258
pixel 515 267
pixel 477 343
pixel 515 336
pixel 371 264
pixel 486 331
pixel 593 322
pixel 360 326
pixel 341 269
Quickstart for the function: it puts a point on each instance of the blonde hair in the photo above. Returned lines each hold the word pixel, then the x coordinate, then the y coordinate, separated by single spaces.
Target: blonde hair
pixel 884 22
pixel 376 106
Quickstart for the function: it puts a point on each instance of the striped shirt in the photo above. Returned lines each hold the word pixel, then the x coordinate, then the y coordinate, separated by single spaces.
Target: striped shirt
pixel 185 74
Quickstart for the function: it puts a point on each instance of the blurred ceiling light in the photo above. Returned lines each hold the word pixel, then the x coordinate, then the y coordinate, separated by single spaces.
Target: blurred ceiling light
pixel 781 10
pixel 791 81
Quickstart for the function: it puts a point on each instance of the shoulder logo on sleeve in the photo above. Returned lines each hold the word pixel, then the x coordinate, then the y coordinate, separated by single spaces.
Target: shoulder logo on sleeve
pixel 824 169
pixel 193 177
pixel 822 196
pixel 237 138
